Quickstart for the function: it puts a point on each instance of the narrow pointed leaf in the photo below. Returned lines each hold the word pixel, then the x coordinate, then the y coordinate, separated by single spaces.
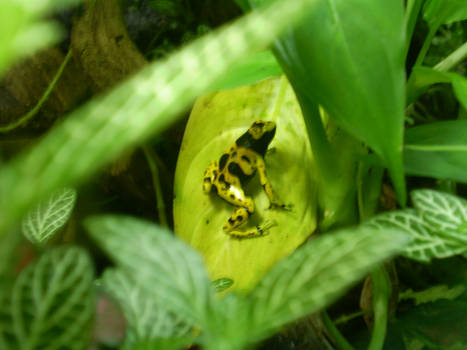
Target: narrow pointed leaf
pixel 340 57
pixel 316 274
pixel 46 218
pixel 437 150
pixel 52 302
pixel 146 319
pixel 165 268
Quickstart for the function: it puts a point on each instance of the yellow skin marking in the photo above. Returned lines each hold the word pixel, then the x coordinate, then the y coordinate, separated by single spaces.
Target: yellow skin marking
pixel 238 164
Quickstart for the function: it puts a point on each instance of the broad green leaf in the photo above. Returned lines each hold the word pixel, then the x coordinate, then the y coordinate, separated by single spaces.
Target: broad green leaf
pixel 253 68
pixel 445 213
pixel 437 12
pixel 42 221
pixel 161 265
pixel 146 319
pixel 437 150
pixel 319 272
pixel 154 98
pixel 52 302
pixel 216 121
pixel 349 57
pixel 426 244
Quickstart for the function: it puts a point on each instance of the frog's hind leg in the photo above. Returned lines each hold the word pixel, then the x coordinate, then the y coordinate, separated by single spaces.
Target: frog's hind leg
pixel 239 217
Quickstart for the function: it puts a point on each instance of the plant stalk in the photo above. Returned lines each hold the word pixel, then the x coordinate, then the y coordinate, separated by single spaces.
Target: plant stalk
pixel 341 342
pixel 41 101
pixel 381 294
pixel 151 159
pixel 453 59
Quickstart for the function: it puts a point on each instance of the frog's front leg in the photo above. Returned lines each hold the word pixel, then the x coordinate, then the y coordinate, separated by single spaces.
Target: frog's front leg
pixel 210 176
pixel 266 183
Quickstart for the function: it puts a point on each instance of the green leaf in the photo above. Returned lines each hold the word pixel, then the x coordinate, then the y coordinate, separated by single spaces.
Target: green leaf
pixel 147 320
pixel 433 294
pixel 445 213
pixel 349 57
pixel 426 244
pixel 437 150
pixel 423 77
pixel 438 225
pixel 42 221
pixel 164 267
pixel 52 302
pixel 319 272
pixel 437 12
pixel 216 121
pixel 154 98
pixel 253 68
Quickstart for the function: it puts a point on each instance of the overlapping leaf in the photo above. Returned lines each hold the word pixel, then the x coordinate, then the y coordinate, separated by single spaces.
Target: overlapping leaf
pixel 319 272
pixel 147 320
pixel 437 226
pixel 52 302
pixel 165 268
pixel 46 218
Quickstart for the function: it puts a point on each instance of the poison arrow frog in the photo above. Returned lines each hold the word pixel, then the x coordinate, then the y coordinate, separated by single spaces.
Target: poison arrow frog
pixel 227 176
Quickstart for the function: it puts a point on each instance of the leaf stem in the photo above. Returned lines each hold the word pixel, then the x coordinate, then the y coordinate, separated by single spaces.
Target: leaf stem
pixel 151 158
pixel 453 59
pixel 341 342
pixel 41 101
pixel 426 46
pixel 381 294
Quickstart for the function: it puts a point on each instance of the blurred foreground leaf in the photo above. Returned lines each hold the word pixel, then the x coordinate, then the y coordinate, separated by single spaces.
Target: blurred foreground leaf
pixel 160 265
pixel 52 302
pixel 216 121
pixel 316 274
pixel 147 320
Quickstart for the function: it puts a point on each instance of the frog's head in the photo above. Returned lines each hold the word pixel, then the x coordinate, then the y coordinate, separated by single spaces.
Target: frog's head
pixel 259 136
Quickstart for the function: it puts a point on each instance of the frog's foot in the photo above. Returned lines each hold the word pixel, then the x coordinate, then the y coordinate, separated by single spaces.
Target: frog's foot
pixel 256 231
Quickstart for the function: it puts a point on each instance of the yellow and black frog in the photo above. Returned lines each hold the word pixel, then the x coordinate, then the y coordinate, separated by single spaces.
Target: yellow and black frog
pixel 227 177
